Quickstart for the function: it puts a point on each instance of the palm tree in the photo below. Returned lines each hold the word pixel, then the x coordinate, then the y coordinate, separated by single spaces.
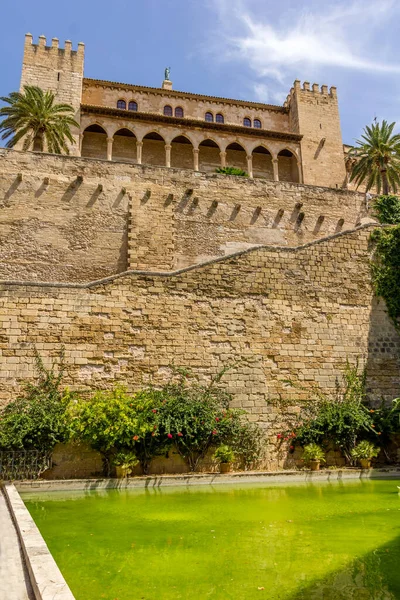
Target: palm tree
pixel 377 158
pixel 34 117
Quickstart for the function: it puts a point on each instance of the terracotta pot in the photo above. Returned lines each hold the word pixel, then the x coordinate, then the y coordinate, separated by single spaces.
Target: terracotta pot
pixel 121 472
pixel 314 465
pixel 365 463
pixel 225 467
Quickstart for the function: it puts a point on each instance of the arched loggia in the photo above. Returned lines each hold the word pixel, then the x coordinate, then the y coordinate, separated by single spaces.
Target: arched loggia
pixel 124 146
pixel 262 163
pixel 287 166
pixel 94 143
pixel 153 152
pixel 209 156
pixel 236 156
pixel 181 153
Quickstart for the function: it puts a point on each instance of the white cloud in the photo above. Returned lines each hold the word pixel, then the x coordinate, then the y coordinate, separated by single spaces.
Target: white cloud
pixel 277 44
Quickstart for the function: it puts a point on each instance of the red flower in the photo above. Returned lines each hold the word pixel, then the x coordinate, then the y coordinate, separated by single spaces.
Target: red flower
pixel 217 418
pixel 180 434
pixel 154 410
pixel 214 432
pixel 136 437
pixel 279 436
pixel 155 427
pixel 153 434
pixel 169 435
pixel 292 447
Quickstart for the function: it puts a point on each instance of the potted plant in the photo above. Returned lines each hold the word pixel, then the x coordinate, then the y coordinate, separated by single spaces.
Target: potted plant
pixel 364 452
pixel 225 456
pixel 124 462
pixel 313 455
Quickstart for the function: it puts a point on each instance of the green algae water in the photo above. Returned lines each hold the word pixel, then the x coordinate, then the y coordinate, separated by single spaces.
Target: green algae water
pixel 304 541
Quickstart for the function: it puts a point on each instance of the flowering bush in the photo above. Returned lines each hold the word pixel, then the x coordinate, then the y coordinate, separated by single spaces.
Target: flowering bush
pixel 36 420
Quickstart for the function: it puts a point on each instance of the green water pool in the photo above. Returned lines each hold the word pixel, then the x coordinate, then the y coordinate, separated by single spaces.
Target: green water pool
pixel 304 541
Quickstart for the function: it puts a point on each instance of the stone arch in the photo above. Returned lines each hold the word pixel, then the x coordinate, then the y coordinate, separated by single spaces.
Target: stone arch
pixel 94 143
pixel 236 156
pixel 287 166
pixel 182 152
pixel 209 155
pixel 262 162
pixel 124 146
pixel 153 151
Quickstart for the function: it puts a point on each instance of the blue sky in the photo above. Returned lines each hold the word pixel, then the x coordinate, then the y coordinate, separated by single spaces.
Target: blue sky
pixel 248 49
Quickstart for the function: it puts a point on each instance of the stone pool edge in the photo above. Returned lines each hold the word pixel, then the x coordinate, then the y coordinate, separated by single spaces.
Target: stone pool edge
pixel 157 481
pixel 46 578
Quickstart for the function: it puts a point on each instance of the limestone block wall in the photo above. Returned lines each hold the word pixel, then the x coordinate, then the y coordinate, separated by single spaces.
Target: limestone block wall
pixel 74 219
pixel 287 314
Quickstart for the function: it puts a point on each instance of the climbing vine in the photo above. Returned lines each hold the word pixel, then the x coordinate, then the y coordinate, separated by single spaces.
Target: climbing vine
pixel 386 267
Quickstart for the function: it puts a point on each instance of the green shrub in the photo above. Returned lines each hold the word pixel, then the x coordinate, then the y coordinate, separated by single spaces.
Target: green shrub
pixel 126 459
pixel 365 450
pixel 386 270
pixel 387 209
pixel 224 454
pixel 106 422
pixel 341 421
pixel 37 420
pixel 232 171
pixel 313 452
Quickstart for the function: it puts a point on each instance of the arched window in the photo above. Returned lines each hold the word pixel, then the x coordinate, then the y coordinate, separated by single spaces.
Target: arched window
pixel 209 117
pixel 132 105
pixel 121 104
pixel 219 118
pixel 168 110
pixel 246 122
pixel 257 123
pixel 179 112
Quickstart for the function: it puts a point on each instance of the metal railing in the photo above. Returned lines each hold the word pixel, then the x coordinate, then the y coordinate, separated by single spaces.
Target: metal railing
pixel 23 464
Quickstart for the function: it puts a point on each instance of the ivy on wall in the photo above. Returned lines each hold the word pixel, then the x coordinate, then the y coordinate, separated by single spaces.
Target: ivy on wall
pixel 386 267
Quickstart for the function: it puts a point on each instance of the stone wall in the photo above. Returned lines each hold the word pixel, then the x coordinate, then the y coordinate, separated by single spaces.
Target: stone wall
pixel 55 226
pixel 153 100
pixel 287 314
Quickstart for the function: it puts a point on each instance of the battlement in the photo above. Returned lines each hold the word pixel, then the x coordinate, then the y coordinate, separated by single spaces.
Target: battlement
pixel 314 89
pixel 41 47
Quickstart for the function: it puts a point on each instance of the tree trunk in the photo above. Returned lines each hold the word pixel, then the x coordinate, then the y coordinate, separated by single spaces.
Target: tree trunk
pixel 38 142
pixel 385 182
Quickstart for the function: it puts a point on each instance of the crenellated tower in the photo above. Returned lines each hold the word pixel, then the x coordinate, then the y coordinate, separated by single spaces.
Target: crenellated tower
pixel 57 69
pixel 314 113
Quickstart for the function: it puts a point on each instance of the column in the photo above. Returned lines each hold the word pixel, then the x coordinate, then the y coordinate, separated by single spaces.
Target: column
pixel 276 170
pixel 167 155
pixel 109 148
pixel 223 159
pixel 250 165
pixel 196 159
pixel 300 171
pixel 80 142
pixel 139 146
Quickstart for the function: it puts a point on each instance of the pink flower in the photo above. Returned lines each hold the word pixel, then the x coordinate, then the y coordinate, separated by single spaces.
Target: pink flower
pixel 154 410
pixel 180 434
pixel 214 432
pixel 169 435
